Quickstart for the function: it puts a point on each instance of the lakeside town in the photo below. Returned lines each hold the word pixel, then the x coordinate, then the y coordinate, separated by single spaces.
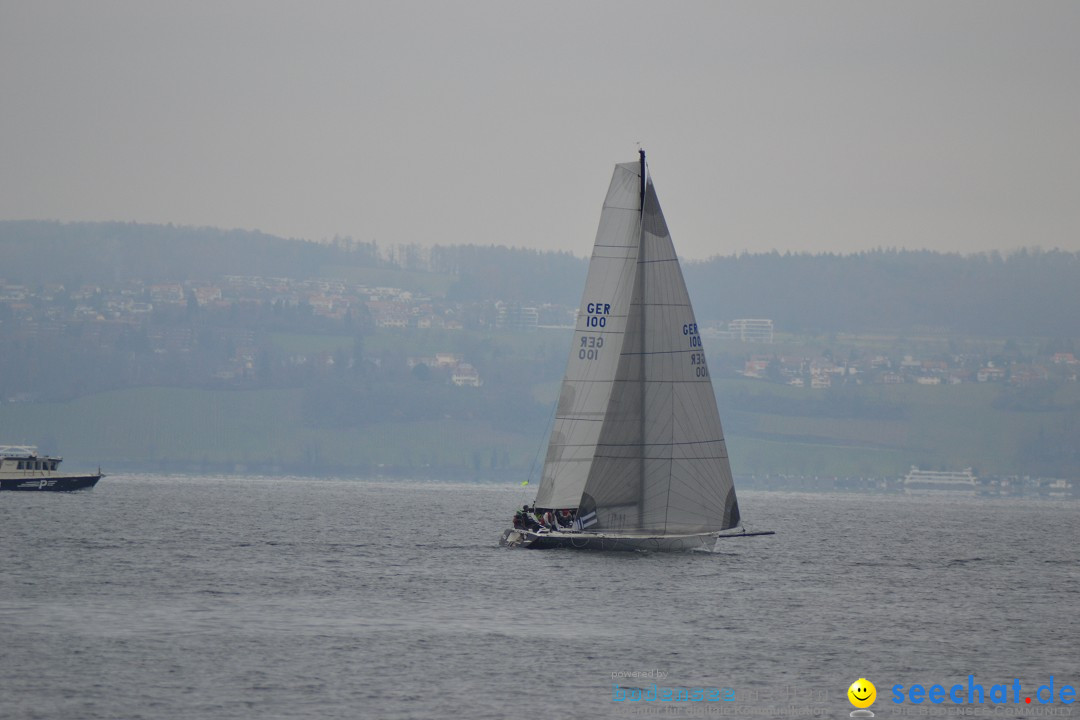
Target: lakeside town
pixel 276 356
pixel 231 314
pixel 933 483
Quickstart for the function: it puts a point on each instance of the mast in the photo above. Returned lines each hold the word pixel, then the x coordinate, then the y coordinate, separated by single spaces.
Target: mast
pixel 641 348
pixel 641 153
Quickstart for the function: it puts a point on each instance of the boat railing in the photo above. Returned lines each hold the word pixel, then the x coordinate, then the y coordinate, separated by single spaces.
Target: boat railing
pixel 18 451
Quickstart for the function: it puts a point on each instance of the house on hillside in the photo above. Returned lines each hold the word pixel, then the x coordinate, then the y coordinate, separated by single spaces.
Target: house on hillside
pixel 465 375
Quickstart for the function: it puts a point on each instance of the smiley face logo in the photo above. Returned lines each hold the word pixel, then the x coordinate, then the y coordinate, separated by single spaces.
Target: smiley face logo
pixel 862 693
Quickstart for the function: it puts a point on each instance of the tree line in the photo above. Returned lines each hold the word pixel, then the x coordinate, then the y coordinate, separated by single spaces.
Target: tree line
pixel 1023 293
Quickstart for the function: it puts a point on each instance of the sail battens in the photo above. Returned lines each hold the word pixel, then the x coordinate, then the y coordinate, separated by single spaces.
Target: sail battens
pixel 664 352
pixel 596 333
pixel 669 444
pixel 638 445
pixel 666 382
pixel 661 457
pixel 647 382
pixel 658 304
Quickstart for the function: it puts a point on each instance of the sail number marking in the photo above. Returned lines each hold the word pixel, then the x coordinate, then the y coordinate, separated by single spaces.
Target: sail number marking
pixel 594 314
pixel 691 331
pixel 590 347
pixel 697 360
pixel 701 370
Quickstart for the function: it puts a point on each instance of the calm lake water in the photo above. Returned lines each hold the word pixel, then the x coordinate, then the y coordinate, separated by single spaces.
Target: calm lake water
pixel 205 597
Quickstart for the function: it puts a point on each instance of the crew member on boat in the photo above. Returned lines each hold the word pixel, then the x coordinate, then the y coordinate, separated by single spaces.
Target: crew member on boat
pixel 549 520
pixel 536 518
pixel 526 519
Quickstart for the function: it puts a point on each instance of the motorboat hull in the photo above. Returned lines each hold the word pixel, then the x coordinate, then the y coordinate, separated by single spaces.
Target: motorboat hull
pixel 62 483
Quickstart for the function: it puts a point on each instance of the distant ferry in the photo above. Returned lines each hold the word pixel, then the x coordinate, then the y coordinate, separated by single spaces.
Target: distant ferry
pixel 930 481
pixel 21 468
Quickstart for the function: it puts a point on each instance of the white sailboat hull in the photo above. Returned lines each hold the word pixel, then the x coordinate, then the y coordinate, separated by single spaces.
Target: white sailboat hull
pixel 615 541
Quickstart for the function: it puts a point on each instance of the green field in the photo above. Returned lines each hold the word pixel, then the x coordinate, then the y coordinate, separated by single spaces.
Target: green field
pixel 428 342
pixel 310 342
pixel 935 427
pixel 939 427
pixel 149 427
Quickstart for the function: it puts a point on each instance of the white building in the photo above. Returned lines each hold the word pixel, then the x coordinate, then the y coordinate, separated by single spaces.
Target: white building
pixel 465 375
pixel 749 330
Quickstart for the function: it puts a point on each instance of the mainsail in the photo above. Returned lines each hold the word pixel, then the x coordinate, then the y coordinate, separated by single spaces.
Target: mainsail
pixel 637 435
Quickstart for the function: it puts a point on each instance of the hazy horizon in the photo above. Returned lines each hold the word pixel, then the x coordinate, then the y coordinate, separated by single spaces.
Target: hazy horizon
pixel 831 127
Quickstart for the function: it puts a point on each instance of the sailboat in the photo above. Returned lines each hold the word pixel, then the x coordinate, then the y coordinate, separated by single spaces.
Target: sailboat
pixel 636 459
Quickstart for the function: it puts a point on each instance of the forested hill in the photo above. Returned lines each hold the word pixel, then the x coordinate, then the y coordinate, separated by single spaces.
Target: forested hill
pixel 35 252
pixel 1024 293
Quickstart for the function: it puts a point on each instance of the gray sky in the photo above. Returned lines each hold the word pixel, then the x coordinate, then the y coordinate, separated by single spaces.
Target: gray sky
pixel 796 126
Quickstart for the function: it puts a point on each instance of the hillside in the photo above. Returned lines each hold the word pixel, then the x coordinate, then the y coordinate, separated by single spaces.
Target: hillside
pixel 196 348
